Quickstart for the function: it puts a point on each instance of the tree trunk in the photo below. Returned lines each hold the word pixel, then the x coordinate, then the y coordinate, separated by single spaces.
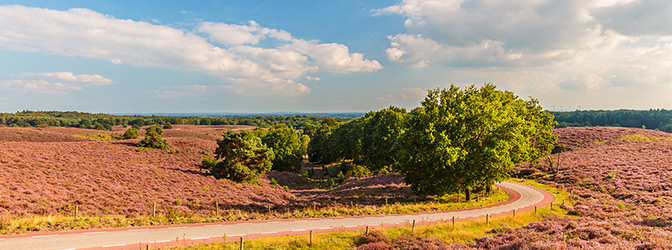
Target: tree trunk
pixel 488 189
pixel 468 194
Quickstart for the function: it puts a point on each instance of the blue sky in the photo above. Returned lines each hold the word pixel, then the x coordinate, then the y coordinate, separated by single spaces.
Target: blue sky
pixel 317 56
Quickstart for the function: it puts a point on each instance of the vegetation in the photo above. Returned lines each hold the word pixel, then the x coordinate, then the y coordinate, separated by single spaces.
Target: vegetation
pixel 130 133
pixel 660 119
pixel 240 157
pixel 286 146
pixel 153 138
pixel 459 140
pixel 87 120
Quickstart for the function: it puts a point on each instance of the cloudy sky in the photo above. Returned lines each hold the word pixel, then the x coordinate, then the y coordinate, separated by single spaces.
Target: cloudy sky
pixel 316 56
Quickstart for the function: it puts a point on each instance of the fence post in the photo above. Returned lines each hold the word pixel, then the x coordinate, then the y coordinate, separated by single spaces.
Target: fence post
pixel 367 230
pixel 514 213
pixel 311 237
pixel 241 242
pixel 76 212
pixel 217 209
pixel 154 210
pixel 413 228
pixel 487 218
pixel 453 221
pixel 535 210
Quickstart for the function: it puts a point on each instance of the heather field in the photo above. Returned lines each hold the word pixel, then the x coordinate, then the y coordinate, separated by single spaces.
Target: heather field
pixel 621 179
pixel 50 174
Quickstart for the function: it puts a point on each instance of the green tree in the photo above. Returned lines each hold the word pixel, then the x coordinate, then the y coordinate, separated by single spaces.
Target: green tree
pixel 380 138
pixel 286 145
pixel 130 133
pixel 153 138
pixel 461 139
pixel 168 126
pixel 240 157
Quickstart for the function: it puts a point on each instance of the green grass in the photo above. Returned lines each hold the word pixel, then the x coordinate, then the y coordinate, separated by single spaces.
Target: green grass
pixel 98 137
pixel 463 232
pixel 643 138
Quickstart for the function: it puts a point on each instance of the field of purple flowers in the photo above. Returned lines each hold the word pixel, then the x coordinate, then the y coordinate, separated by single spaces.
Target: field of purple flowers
pixel 622 183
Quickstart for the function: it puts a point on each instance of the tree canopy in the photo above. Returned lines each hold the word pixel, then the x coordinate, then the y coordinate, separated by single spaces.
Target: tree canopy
pixel 286 145
pixel 153 138
pixel 460 139
pixel 240 157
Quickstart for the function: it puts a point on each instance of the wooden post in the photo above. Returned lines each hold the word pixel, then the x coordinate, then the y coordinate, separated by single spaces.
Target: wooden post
pixel 386 202
pixel 351 205
pixel 147 246
pixel 535 210
pixel 367 230
pixel 154 210
pixel 453 221
pixel 413 228
pixel 311 237
pixel 76 212
pixel 313 206
pixel 217 209
pixel 487 218
pixel 563 202
pixel 269 208
pixel 514 213
pixel 551 206
pixel 241 242
pixel 467 195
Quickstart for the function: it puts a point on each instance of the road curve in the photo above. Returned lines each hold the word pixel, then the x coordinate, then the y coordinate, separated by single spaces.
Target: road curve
pixel 522 198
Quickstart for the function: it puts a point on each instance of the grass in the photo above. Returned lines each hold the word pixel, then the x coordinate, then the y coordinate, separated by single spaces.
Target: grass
pixel 463 232
pixel 637 137
pixel 98 137
pixel 168 216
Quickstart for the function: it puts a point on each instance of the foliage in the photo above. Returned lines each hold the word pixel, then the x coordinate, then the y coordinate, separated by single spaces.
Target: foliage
pixel 461 139
pixel 153 138
pixel 167 126
pixel 241 157
pixel 88 120
pixel 286 146
pixel 131 133
pixel 660 119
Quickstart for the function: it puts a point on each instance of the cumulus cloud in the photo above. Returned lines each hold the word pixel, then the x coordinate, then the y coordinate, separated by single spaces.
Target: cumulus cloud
pixel 239 60
pixel 581 44
pixel 52 82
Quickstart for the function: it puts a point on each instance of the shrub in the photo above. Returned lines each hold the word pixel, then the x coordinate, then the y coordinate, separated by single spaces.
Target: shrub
pixel 244 157
pixel 153 138
pixel 130 133
pixel 167 126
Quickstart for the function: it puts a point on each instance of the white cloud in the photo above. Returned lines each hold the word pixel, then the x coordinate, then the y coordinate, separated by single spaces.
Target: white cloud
pixel 86 33
pixel 311 78
pixel 575 44
pixel 52 82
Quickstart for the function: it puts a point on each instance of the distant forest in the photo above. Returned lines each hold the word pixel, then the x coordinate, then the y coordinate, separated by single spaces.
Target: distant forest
pixel 659 119
pixel 106 121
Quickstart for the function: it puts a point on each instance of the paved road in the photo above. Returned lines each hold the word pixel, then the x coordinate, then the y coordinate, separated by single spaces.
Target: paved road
pixel 522 198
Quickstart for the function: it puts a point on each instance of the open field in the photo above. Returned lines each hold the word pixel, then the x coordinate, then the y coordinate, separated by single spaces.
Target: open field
pixel 50 174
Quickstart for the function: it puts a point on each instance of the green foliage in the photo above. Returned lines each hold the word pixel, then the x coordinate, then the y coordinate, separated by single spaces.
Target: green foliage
pixel 241 157
pixel 286 145
pixel 321 147
pixel 131 133
pixel 167 126
pixel 465 138
pixel 380 136
pixel 153 138
pixel 660 119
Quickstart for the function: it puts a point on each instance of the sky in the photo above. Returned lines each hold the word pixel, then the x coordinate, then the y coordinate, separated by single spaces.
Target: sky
pixel 329 56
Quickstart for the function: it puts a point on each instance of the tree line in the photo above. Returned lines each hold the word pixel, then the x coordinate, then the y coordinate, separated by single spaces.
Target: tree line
pixel 660 119
pixel 106 121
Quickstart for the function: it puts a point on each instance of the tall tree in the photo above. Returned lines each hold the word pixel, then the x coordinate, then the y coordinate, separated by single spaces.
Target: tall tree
pixel 460 139
pixel 286 145
pixel 379 141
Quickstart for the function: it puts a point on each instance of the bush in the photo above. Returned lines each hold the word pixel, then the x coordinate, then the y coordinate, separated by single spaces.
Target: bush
pixel 153 138
pixel 131 133
pixel 244 156
pixel 167 126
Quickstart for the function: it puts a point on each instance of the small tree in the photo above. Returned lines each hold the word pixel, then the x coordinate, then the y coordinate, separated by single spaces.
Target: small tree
pixel 286 146
pixel 131 133
pixel 153 138
pixel 167 126
pixel 240 157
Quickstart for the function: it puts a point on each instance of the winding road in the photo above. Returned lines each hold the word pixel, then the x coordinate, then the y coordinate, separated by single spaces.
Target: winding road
pixel 522 198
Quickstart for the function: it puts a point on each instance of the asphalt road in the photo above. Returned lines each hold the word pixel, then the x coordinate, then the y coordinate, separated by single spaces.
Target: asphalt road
pixel 523 198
